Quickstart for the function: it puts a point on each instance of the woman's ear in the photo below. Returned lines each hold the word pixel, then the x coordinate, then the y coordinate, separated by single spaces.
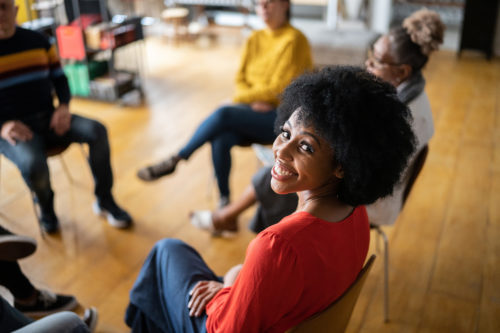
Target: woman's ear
pixel 404 72
pixel 339 172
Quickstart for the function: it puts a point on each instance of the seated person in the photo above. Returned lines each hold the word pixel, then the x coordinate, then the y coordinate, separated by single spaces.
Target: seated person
pixel 27 299
pixel 302 264
pixel 397 58
pixel 272 57
pixel 29 123
pixel 12 320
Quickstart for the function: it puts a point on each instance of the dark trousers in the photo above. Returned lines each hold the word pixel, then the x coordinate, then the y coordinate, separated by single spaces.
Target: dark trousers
pixel 229 126
pixel 12 278
pixel 31 160
pixel 160 295
pixel 10 318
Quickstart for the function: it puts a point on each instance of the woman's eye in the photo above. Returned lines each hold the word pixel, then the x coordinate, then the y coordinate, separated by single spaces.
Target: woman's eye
pixel 307 148
pixel 285 133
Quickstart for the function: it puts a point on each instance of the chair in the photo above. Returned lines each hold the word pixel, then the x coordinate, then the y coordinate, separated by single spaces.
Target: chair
pixel 336 316
pixel 414 172
pixel 51 152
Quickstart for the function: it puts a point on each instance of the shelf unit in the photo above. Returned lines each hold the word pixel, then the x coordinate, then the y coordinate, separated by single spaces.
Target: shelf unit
pixel 88 52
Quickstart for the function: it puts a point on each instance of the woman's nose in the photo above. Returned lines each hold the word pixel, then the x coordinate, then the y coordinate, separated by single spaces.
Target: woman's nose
pixel 368 63
pixel 282 150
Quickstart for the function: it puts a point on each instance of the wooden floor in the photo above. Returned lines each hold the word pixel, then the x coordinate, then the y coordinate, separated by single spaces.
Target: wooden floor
pixel 445 247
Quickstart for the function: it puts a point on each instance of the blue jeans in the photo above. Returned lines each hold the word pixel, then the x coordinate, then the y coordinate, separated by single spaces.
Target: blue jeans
pixel 31 160
pixel 160 295
pixel 229 126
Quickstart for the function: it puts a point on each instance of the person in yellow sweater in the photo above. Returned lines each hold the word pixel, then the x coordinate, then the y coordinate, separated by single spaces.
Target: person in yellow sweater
pixel 271 59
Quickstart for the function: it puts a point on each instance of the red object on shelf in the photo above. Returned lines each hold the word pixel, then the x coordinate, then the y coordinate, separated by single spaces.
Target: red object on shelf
pixel 117 36
pixel 85 20
pixel 70 42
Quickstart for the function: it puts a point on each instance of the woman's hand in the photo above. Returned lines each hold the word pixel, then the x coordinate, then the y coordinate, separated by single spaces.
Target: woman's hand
pixel 262 106
pixel 201 294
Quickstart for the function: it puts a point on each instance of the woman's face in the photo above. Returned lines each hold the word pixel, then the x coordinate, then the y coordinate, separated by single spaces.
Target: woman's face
pixel 272 12
pixel 382 63
pixel 303 160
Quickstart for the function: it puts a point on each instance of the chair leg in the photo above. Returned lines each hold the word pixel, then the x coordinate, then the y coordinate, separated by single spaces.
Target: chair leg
pixel 38 212
pixel 66 170
pixel 65 166
pixel 381 233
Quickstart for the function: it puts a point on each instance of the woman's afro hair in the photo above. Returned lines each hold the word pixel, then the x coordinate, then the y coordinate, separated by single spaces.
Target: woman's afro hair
pixel 361 117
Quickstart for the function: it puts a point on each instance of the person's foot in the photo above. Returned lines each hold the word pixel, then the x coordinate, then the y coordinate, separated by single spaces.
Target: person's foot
pixel 116 216
pixel 14 247
pixel 155 171
pixel 90 318
pixel 222 220
pixel 46 302
pixel 49 222
pixel 203 219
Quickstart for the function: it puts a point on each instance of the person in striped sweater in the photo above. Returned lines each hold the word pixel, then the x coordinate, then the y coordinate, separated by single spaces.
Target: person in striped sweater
pixel 30 124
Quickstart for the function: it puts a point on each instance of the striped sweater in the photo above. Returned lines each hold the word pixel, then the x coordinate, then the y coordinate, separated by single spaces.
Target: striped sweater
pixel 29 73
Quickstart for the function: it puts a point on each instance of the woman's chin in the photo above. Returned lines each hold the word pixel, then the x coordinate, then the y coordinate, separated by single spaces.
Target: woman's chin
pixel 279 188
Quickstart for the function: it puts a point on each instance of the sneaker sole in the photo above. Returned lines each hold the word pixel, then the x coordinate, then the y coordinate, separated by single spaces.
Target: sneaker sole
pixel 91 322
pixel 68 307
pixel 111 220
pixel 14 247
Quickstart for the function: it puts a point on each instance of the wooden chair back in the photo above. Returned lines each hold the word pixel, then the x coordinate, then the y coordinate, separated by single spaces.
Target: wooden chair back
pixel 335 317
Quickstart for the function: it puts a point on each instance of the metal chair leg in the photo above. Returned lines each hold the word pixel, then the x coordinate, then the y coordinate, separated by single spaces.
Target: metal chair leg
pixel 38 212
pixel 71 180
pixel 66 170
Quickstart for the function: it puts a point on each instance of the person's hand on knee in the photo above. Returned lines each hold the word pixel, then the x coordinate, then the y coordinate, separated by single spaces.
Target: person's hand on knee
pixel 14 130
pixel 201 295
pixel 262 106
pixel 61 119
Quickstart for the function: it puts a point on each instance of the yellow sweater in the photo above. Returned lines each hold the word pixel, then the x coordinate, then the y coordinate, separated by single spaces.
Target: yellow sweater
pixel 271 60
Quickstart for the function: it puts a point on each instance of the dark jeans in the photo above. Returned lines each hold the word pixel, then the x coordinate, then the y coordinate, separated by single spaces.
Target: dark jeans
pixel 229 126
pixel 159 298
pixel 30 157
pixel 61 322
pixel 10 318
pixel 12 278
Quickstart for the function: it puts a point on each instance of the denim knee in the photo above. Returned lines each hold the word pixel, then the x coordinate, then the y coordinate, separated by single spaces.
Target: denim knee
pixel 34 168
pixel 168 245
pixel 98 132
pixel 224 113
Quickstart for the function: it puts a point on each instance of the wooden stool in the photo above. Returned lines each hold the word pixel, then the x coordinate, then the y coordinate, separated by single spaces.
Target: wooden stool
pixel 177 17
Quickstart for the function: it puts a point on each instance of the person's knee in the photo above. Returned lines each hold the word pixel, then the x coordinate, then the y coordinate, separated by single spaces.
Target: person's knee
pixel 224 113
pixel 34 168
pixel 168 245
pixel 98 132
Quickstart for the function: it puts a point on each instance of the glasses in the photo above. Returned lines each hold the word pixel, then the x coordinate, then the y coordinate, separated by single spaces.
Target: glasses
pixel 379 63
pixel 264 3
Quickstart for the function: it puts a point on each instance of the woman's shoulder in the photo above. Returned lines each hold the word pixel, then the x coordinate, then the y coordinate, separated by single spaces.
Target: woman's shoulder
pixel 300 223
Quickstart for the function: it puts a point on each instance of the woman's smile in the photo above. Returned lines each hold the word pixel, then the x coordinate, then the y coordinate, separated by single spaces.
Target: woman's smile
pixel 281 172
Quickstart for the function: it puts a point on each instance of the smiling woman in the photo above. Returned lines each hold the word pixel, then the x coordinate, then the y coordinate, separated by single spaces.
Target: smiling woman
pixel 332 151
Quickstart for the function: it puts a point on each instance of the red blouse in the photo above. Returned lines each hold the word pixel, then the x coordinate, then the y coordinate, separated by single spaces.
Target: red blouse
pixel 292 270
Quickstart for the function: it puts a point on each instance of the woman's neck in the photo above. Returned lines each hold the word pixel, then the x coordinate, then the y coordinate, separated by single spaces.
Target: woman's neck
pixel 277 25
pixel 325 206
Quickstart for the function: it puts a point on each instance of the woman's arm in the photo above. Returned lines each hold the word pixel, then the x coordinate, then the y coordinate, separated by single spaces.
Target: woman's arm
pixel 231 275
pixel 268 286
